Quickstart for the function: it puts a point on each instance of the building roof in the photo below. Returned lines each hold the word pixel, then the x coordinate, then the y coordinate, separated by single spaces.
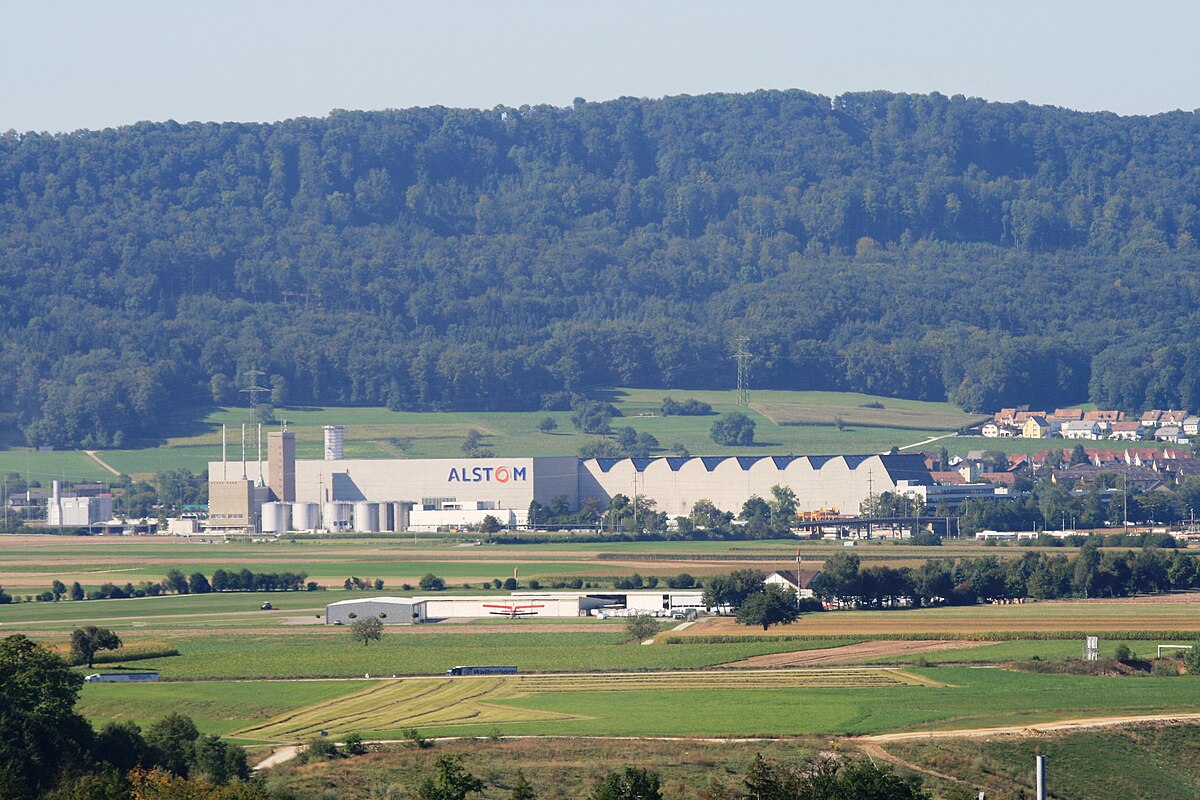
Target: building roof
pixel 789 575
pixel 1103 415
pixel 1126 426
pixel 944 478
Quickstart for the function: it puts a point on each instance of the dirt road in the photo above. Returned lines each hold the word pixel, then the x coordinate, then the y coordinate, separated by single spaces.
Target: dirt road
pixel 851 652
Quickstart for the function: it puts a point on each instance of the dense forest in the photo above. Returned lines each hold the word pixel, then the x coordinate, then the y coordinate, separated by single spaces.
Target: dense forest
pixel 918 246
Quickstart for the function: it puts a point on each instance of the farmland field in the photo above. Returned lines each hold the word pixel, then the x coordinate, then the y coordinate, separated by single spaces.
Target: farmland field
pixel 31 562
pixel 699 704
pixel 797 423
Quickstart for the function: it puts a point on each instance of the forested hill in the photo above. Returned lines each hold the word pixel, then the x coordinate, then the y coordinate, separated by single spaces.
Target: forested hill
pixel 910 245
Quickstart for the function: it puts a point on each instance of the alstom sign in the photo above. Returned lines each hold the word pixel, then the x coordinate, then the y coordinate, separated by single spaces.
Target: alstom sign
pixel 486 474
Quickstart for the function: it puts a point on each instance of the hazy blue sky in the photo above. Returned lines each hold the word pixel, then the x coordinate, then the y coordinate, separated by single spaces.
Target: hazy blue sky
pixel 96 63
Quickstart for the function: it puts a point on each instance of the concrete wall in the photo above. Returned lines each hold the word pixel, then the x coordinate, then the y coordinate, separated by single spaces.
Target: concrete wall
pixel 230 504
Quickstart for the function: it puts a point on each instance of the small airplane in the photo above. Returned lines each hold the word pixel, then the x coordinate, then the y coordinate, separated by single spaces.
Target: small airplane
pixel 512 610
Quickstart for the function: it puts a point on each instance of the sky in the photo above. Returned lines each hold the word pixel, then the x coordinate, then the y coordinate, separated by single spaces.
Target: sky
pixel 71 64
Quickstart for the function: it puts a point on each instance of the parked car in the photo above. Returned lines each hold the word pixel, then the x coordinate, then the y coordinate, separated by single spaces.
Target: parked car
pixel 268 607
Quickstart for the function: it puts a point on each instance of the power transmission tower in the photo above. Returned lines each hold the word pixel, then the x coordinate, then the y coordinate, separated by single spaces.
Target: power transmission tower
pixel 743 371
pixel 253 389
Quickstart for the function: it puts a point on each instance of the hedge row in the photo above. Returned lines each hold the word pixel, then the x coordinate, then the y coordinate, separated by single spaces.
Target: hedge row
pixel 982 636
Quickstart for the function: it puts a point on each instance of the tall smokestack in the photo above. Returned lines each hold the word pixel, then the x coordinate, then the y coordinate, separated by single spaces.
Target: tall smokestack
pixel 224 456
pixel 243 451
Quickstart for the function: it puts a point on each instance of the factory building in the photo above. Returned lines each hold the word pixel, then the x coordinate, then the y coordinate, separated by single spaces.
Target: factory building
pixel 413 610
pixel 80 509
pixel 365 495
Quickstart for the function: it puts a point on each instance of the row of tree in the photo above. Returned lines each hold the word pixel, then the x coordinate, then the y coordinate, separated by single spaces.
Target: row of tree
pixel 437 258
pixel 1038 575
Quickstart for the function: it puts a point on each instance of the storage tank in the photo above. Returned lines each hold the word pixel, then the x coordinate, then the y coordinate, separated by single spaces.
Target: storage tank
pixel 366 517
pixel 400 510
pixel 273 518
pixel 335 438
pixel 337 516
pixel 305 517
pixel 387 517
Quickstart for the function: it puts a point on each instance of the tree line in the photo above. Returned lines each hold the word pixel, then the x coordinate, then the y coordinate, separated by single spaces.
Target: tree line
pixel 917 246
pixel 1038 575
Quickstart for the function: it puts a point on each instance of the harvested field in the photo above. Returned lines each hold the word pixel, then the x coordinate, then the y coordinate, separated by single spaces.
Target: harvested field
pixel 1060 616
pixel 851 652
pixel 393 705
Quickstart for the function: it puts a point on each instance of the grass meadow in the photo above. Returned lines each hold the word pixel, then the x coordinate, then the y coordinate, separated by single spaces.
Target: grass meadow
pixel 960 697
pixel 799 423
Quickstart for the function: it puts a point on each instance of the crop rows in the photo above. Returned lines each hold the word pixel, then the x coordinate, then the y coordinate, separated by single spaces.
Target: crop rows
pixel 422 702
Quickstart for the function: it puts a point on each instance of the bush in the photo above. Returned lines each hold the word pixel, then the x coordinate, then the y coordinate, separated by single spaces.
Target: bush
pixel 1191 660
pixel 432 583
pixel 1123 653
pixel 318 748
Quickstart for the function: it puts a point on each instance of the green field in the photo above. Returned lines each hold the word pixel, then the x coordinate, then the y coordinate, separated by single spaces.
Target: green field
pixel 961 698
pixel 798 423
pixel 1139 762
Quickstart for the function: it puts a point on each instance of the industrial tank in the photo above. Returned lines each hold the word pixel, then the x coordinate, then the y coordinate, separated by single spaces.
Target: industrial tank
pixel 366 517
pixel 275 517
pixel 337 516
pixel 305 517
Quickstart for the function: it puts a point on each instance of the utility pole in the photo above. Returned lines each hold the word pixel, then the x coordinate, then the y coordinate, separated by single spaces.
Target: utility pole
pixel 1124 504
pixel 743 371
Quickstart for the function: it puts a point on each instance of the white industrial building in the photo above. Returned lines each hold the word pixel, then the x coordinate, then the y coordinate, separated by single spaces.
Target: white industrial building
pixel 366 495
pixel 413 610
pixel 77 511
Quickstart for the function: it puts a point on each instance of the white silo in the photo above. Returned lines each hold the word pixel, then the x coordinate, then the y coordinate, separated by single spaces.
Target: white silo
pixel 400 510
pixel 272 518
pixel 337 516
pixel 304 516
pixel 335 442
pixel 366 517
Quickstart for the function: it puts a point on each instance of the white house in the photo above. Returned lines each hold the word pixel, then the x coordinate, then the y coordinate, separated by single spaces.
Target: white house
pixel 787 578
pixel 1083 429
pixel 995 430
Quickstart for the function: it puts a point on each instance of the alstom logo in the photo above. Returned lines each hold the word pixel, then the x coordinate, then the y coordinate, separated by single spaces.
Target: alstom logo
pixel 486 474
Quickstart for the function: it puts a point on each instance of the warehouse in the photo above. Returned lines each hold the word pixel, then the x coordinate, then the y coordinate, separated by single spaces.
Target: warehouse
pixel 409 610
pixel 366 495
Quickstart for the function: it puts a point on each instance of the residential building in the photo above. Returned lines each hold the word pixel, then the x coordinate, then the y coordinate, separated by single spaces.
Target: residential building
pixel 788 579
pixel 1035 427
pixel 1128 431
pixel 1083 429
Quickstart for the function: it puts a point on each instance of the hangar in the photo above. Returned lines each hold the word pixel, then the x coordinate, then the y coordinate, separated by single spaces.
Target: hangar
pixel 366 495
pixel 415 610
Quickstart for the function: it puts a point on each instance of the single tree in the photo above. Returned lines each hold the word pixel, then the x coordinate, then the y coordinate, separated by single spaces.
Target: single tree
pixel 172 740
pixel 640 627
pixel 198 584
pixel 734 429
pixel 58 588
pixel 548 425
pixel 175 582
pixel 76 591
pixel 490 524
pixel 522 789
pixel 87 641
pixel 432 583
pixel 775 605
pixel 367 630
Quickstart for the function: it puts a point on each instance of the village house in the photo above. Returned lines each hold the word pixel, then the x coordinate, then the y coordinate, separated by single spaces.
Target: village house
pixel 1083 429
pixel 1127 431
pixel 1036 427
pixel 996 430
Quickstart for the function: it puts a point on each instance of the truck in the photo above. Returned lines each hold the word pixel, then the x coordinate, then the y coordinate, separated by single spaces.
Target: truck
pixel 453 671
